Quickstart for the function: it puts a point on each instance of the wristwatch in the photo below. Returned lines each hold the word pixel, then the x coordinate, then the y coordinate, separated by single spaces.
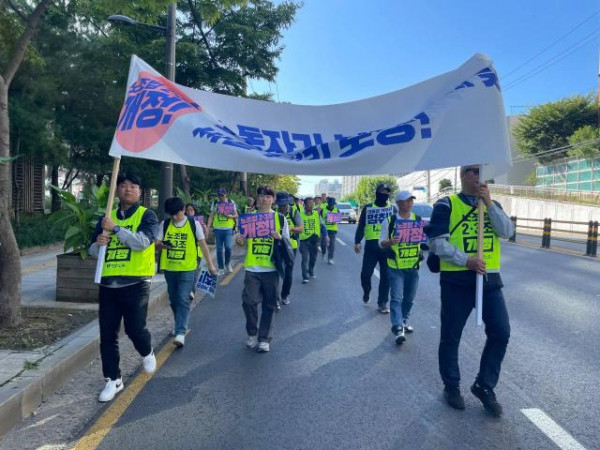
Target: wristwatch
pixel 116 229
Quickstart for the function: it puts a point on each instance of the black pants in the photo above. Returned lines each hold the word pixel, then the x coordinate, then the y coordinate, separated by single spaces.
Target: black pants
pixel 372 256
pixel 331 246
pixel 129 303
pixel 260 288
pixel 457 303
pixel 308 250
pixel 286 285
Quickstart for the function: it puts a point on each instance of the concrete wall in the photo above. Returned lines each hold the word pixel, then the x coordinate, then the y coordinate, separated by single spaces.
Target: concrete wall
pixel 544 209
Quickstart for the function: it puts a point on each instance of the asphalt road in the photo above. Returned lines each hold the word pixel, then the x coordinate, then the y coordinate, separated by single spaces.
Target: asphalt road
pixel 335 379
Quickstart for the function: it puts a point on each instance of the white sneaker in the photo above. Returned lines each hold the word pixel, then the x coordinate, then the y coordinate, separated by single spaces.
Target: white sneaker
pixel 192 296
pixel 220 272
pixel 111 389
pixel 263 347
pixel 252 341
pixel 149 363
pixel 229 268
pixel 330 262
pixel 179 340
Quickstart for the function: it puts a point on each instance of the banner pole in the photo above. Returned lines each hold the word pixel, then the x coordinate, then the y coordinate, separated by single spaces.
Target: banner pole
pixel 111 199
pixel 479 283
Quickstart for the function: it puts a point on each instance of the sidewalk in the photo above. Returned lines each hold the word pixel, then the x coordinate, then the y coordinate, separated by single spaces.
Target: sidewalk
pixel 28 378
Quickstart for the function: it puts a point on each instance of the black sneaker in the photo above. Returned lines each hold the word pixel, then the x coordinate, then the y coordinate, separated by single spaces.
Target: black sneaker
pixel 454 398
pixel 400 337
pixel 488 399
pixel 383 309
pixel 407 327
pixel 365 299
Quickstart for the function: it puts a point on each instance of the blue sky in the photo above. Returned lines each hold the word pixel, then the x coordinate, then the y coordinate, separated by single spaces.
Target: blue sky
pixel 344 50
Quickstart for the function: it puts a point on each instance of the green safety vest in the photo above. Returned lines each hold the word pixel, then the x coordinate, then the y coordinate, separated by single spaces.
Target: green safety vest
pixel 331 226
pixel 120 260
pixel 406 255
pixel 183 257
pixel 373 231
pixel 291 224
pixel 464 236
pixel 311 223
pixel 260 250
pixel 220 220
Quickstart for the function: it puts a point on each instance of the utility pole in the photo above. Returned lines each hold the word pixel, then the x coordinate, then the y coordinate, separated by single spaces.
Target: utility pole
pixel 166 168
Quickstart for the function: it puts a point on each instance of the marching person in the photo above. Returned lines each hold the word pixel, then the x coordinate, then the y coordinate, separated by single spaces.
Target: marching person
pixel 128 268
pixel 223 225
pixel 332 228
pixel 296 205
pixel 179 238
pixel 452 236
pixel 310 237
pixel 262 279
pixel 374 254
pixel 250 205
pixel 319 204
pixel 403 266
pixel 295 226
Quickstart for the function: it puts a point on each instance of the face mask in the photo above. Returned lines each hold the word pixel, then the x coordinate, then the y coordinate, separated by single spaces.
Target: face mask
pixel 381 198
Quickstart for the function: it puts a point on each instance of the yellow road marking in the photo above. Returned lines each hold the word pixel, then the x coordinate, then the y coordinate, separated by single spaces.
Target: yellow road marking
pixel 109 418
pixel 230 276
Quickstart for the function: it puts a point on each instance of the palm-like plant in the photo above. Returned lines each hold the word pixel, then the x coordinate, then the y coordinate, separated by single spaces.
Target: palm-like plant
pixel 79 219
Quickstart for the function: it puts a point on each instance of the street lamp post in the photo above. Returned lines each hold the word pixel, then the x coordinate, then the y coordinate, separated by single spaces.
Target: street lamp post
pixel 166 169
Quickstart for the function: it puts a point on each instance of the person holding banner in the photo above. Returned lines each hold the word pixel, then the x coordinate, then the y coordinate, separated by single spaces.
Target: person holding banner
pixel 179 238
pixel 452 233
pixel 331 216
pixel 223 216
pixel 294 222
pixel 261 279
pixel 310 237
pixel 402 235
pixel 370 229
pixel 319 205
pixel 129 266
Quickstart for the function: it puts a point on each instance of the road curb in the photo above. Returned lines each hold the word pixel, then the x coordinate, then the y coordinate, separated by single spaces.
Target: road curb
pixel 20 398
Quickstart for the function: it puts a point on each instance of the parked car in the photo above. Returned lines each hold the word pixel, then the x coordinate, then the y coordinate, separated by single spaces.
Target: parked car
pixel 424 210
pixel 348 213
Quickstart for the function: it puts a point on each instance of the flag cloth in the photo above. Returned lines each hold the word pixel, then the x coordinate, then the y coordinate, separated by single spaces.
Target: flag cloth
pixel 453 119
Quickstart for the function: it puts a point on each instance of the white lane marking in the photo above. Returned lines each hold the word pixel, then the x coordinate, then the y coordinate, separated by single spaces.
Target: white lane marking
pixel 551 429
pixel 341 242
pixel 376 273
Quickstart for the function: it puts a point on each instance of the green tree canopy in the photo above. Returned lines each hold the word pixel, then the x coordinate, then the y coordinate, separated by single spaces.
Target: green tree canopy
pixel 586 142
pixel 550 125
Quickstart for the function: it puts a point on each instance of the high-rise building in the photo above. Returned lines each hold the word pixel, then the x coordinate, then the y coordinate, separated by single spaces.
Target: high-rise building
pixel 331 189
pixel 350 184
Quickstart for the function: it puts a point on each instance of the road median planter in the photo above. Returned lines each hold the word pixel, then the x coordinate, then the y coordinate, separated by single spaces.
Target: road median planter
pixel 75 279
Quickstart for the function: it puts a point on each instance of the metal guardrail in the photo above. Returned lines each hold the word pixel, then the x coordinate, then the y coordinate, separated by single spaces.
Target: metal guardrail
pixel 591 243
pixel 545 193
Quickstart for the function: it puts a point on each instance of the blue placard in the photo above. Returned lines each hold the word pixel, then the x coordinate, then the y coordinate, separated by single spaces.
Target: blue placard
pixel 376 216
pixel 259 225
pixel 207 283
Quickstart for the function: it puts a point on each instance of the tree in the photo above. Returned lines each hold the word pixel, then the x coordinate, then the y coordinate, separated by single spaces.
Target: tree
pixel 365 191
pixel 586 141
pixel 10 261
pixel 550 125
pixel 445 183
pixel 286 183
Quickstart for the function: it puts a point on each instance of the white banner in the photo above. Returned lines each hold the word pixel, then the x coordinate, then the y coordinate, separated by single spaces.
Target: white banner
pixel 453 119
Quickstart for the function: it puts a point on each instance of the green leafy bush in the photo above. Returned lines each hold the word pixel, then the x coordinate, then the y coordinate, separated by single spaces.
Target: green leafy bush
pixel 35 230
pixel 79 218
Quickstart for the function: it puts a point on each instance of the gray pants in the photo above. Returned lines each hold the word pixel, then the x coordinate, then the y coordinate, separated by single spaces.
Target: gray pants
pixel 331 247
pixel 260 288
pixel 309 249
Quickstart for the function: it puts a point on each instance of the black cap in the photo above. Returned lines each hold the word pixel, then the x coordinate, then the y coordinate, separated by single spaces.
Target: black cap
pixel 265 190
pixel 282 198
pixel 129 176
pixel 383 187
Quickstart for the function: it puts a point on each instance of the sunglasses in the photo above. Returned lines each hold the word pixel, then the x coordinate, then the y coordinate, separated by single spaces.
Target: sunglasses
pixel 474 170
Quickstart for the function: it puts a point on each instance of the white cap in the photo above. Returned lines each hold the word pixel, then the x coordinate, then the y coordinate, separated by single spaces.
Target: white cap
pixel 404 195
